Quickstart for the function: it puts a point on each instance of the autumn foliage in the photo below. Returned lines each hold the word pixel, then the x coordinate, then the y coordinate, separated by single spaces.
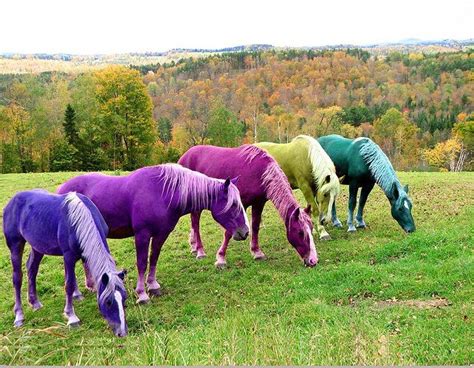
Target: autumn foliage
pixel 417 107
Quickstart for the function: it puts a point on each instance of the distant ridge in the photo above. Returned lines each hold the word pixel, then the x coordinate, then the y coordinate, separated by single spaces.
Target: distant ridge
pixel 408 43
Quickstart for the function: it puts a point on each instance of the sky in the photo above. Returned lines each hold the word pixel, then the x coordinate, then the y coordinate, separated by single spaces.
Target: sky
pixel 106 26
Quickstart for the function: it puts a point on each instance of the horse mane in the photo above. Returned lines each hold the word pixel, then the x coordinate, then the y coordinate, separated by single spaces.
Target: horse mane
pixel 379 164
pixel 321 163
pixel 274 180
pixel 196 190
pixel 93 250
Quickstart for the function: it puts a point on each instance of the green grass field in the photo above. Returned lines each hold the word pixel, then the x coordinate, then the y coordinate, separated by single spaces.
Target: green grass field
pixel 377 297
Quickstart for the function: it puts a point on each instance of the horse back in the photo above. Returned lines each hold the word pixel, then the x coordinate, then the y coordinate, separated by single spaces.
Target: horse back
pixel 345 153
pixel 35 216
pixel 223 163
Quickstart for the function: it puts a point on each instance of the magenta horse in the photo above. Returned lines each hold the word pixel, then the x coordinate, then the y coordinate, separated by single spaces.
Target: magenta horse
pixel 148 203
pixel 259 179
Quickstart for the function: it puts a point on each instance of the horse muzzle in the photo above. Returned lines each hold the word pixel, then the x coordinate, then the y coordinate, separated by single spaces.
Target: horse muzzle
pixel 310 261
pixel 241 234
pixel 120 332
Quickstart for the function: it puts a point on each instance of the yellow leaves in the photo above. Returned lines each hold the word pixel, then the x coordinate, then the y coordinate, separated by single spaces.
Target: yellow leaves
pixel 443 153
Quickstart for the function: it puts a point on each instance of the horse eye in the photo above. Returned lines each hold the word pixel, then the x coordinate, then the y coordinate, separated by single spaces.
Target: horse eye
pixel 108 303
pixel 301 233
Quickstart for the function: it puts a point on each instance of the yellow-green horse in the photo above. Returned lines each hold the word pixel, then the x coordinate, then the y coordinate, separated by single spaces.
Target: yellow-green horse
pixel 309 168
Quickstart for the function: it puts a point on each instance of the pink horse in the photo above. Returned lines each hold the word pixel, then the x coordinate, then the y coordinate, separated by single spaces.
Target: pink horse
pixel 259 179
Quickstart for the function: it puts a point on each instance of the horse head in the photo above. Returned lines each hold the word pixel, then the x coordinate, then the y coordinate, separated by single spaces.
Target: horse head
pixel 111 296
pixel 401 207
pixel 299 233
pixel 228 211
pixel 326 197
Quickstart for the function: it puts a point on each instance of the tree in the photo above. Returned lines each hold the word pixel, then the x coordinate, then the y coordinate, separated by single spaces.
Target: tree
pixel 445 155
pixel 165 128
pixel 397 137
pixel 224 129
pixel 17 139
pixel 70 129
pixel 125 117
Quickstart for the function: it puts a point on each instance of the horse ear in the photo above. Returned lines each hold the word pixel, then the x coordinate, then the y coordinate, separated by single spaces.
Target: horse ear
pixel 341 179
pixel 405 188
pixel 105 279
pixel 296 213
pixel 395 193
pixel 122 274
pixel 227 183
pixel 235 180
pixel 328 179
pixel 308 209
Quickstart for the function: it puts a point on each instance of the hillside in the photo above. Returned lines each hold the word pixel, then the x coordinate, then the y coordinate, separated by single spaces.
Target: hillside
pixel 12 63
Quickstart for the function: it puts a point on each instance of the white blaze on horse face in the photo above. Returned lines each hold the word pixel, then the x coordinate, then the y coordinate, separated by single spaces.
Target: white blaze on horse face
pixel 312 246
pixel 118 299
pixel 245 216
pixel 405 203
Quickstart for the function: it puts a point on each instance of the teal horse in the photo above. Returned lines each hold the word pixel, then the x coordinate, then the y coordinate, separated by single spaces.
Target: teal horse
pixel 363 163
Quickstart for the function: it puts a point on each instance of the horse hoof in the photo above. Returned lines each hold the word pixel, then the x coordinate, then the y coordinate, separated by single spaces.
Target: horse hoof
pixel 155 292
pixel 78 297
pixel 143 299
pixel 338 225
pixel 18 323
pixel 37 305
pixel 220 265
pixel 325 237
pixel 200 255
pixel 74 324
pixel 351 229
pixel 193 252
pixel 361 226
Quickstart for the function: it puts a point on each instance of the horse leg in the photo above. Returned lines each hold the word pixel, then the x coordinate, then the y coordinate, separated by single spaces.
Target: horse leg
pixel 154 287
pixel 195 236
pixel 70 272
pixel 309 196
pixel 32 265
pixel 16 249
pixel 89 280
pixel 353 188
pixel 364 193
pixel 220 256
pixel 335 221
pixel 142 244
pixel 257 210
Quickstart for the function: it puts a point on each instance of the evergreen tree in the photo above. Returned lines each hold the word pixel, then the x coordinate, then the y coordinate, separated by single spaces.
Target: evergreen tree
pixel 70 129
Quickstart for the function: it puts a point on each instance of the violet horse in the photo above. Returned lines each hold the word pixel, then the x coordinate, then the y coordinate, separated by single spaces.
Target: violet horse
pixel 69 226
pixel 148 203
pixel 259 179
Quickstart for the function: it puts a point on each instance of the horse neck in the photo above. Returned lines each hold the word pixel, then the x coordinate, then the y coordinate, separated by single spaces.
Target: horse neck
pixel 380 167
pixel 278 191
pixel 98 262
pixel 200 198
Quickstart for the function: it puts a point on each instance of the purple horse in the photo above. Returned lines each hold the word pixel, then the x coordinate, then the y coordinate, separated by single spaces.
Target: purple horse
pixel 69 226
pixel 148 203
pixel 259 179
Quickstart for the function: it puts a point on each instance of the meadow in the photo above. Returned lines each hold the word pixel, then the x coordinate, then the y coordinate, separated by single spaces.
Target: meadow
pixel 377 297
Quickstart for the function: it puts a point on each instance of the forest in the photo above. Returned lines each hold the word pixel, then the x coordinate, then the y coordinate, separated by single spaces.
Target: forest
pixel 418 107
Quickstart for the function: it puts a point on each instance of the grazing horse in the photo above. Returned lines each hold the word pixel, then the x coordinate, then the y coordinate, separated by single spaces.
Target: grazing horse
pixel 69 226
pixel 363 164
pixel 148 203
pixel 259 179
pixel 308 167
